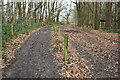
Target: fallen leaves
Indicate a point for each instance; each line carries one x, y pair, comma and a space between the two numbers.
72, 67
12, 47
96, 48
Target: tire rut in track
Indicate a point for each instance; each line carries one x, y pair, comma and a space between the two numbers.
34, 59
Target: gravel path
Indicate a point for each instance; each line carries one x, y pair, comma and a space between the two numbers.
34, 59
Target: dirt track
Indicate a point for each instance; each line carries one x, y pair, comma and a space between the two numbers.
99, 52
34, 59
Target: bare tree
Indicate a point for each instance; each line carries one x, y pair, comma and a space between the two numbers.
97, 21
108, 15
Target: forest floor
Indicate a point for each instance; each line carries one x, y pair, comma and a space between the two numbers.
97, 51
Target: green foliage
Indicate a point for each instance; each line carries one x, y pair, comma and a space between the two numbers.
15, 43
57, 29
17, 29
69, 61
4, 56
58, 33
58, 48
88, 28
58, 23
58, 41
10, 31
112, 30
55, 35
6, 33
79, 59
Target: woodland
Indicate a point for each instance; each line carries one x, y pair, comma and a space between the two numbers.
59, 39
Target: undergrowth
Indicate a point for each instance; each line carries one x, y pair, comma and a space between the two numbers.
111, 30
18, 30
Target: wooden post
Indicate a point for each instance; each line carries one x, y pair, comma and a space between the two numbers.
65, 46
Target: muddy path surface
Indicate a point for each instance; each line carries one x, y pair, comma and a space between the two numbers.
99, 52
34, 59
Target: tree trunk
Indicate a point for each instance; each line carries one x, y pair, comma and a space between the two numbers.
108, 15
78, 14
19, 12
24, 13
3, 19
119, 15
97, 21
58, 14
7, 12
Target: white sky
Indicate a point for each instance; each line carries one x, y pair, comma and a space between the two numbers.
66, 0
